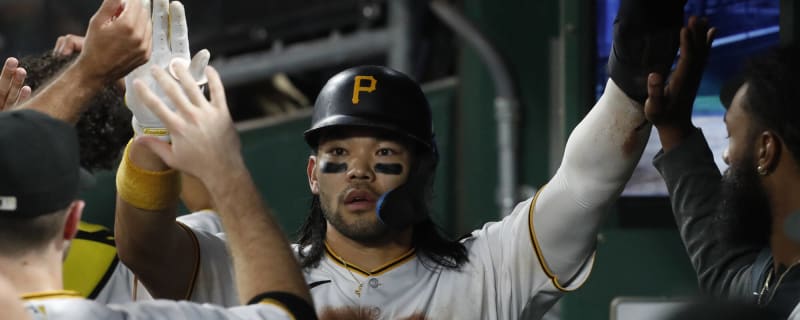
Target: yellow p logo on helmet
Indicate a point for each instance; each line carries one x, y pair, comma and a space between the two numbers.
357, 87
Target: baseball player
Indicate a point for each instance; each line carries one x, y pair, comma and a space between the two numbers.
92, 268
369, 248
117, 41
40, 215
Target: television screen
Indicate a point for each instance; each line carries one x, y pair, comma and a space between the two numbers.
744, 28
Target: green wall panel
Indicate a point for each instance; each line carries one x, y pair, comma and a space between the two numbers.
521, 31
632, 262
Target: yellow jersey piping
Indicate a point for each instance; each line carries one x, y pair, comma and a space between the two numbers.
196, 268
375, 272
535, 242
52, 294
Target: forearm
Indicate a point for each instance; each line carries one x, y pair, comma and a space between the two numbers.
67, 96
149, 241
241, 209
599, 158
693, 181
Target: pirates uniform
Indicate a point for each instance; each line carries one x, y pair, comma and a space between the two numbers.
93, 270
518, 267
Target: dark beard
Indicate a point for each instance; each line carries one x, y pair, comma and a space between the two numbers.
744, 211
360, 231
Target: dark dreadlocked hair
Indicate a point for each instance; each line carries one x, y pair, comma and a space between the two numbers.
433, 248
103, 129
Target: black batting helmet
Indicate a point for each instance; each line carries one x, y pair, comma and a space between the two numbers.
374, 97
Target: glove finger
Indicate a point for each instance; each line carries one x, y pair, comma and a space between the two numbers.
160, 27
178, 32
197, 68
156, 105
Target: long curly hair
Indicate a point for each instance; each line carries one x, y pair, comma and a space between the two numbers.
103, 129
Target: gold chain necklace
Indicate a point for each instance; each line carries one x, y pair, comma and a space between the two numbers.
360, 284
765, 288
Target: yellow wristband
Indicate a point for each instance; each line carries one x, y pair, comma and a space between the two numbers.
144, 189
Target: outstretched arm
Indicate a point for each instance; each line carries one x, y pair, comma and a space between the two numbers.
693, 181
206, 145
605, 147
162, 253
149, 241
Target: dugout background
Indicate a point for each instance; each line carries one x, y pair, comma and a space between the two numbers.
549, 47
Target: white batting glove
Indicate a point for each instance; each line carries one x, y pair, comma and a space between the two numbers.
170, 43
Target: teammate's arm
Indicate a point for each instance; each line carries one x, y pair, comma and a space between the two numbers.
117, 41
150, 242
694, 182
206, 145
605, 147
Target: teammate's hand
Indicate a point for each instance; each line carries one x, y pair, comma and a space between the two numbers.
646, 35
670, 108
68, 44
12, 90
205, 143
170, 42
117, 40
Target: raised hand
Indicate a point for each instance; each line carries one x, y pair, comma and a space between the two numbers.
170, 42
12, 88
117, 40
670, 108
204, 142
646, 37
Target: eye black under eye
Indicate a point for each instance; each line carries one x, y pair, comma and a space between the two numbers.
333, 167
389, 168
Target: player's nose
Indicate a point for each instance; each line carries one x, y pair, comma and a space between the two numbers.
359, 170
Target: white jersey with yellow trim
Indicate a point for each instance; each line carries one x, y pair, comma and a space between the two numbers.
204, 220
69, 305
518, 267
93, 269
